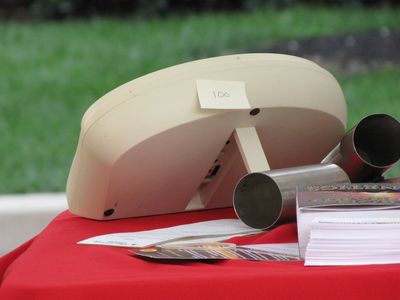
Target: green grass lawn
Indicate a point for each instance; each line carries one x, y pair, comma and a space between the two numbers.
51, 72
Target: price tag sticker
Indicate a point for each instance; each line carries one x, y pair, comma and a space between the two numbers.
221, 94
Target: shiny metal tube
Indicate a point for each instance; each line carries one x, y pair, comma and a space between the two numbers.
262, 200
368, 149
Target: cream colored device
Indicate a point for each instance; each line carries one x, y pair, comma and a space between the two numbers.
148, 147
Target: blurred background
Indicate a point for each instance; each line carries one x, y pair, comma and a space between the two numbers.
59, 56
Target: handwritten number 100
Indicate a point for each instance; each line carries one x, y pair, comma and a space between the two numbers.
219, 94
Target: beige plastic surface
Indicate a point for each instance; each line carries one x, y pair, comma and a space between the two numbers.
251, 150
147, 147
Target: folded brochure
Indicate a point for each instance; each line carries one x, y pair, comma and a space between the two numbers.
207, 251
208, 231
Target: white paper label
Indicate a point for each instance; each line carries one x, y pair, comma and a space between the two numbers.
220, 94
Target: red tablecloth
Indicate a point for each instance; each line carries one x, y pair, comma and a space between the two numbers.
53, 266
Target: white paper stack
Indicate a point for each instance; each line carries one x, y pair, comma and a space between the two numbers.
353, 241
346, 201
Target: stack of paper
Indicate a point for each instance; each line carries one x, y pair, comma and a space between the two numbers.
353, 241
201, 232
348, 201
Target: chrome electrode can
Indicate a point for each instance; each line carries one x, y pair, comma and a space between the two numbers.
369, 149
264, 199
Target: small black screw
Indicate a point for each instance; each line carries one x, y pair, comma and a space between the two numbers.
255, 111
108, 212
